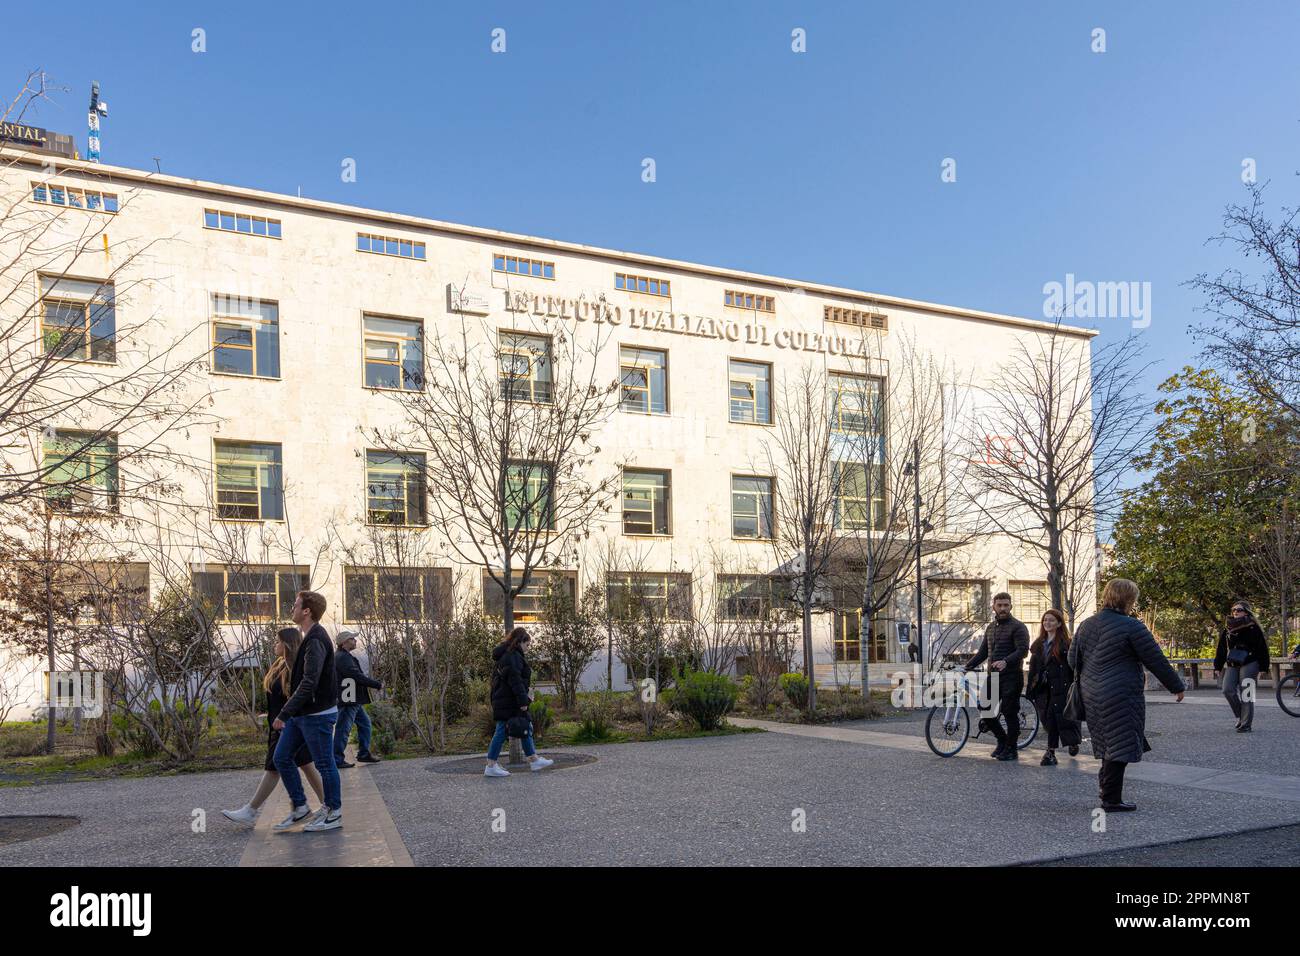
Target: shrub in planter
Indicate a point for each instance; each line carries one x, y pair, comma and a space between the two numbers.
795, 688
540, 713
704, 698
385, 722
596, 718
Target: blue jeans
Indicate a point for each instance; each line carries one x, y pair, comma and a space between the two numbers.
348, 714
317, 732
499, 741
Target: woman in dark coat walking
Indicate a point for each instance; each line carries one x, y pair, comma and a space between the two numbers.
1241, 655
511, 677
1108, 654
1049, 679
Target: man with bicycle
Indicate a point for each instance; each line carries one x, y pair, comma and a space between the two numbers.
1005, 644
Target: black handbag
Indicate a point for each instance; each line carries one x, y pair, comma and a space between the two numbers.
519, 726
1237, 656
1073, 709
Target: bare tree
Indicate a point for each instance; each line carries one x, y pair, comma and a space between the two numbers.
1052, 444
504, 423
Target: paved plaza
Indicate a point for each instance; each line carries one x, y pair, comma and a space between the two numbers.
867, 793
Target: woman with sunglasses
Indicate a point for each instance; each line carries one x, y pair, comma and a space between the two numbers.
1242, 654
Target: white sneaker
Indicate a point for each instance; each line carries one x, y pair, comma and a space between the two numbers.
326, 819
539, 763
295, 817
245, 815
495, 770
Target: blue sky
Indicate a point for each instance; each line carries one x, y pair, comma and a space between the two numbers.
823, 166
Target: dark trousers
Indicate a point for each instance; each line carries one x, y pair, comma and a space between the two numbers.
1047, 713
1008, 707
348, 715
1110, 781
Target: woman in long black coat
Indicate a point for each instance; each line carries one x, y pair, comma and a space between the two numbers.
1109, 652
1241, 655
1049, 679
511, 677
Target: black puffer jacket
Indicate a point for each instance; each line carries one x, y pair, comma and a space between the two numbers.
511, 676
1004, 641
1251, 637
1047, 685
1113, 648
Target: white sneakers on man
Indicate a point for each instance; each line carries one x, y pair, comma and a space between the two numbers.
295, 817
325, 819
539, 763
495, 769
245, 815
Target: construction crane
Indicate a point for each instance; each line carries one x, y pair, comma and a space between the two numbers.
98, 108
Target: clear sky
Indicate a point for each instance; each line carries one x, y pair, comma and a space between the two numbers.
823, 165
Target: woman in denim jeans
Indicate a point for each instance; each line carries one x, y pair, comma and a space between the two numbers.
510, 679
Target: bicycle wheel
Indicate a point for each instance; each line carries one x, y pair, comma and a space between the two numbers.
1288, 694
1028, 723
947, 729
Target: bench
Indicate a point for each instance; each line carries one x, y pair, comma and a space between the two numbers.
1193, 664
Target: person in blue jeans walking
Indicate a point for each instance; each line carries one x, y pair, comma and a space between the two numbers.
308, 717
510, 679
353, 694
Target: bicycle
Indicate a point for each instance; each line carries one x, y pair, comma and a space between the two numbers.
1288, 694
947, 726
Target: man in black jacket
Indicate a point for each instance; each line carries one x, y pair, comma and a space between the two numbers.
308, 717
1005, 644
354, 693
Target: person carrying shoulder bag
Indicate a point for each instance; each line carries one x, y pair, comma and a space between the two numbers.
1242, 653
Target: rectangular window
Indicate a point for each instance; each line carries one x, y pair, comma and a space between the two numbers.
395, 488
848, 639
648, 285
74, 197
855, 403
245, 336
746, 597
111, 592
80, 471
250, 593
748, 300
396, 594
644, 380
859, 496
750, 392
663, 596
394, 353
522, 266
250, 482
1030, 600
528, 602
526, 495
863, 320
524, 367
958, 601
646, 501
78, 319
390, 246
751, 507
249, 225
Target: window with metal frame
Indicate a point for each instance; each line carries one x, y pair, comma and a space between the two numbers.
250, 593
749, 300
78, 319
750, 392
397, 595
245, 336
649, 285
855, 403
111, 592
1030, 600
394, 353
958, 601
646, 504
75, 197
250, 481
665, 596
523, 266
390, 246
524, 367
751, 507
643, 380
80, 471
747, 597
527, 495
227, 221
529, 601
859, 496
395, 488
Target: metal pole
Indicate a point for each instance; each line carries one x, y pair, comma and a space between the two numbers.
916, 501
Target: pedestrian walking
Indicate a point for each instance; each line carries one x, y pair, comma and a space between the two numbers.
354, 688
1107, 656
510, 700
1049, 679
1004, 646
276, 685
1242, 653
308, 717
